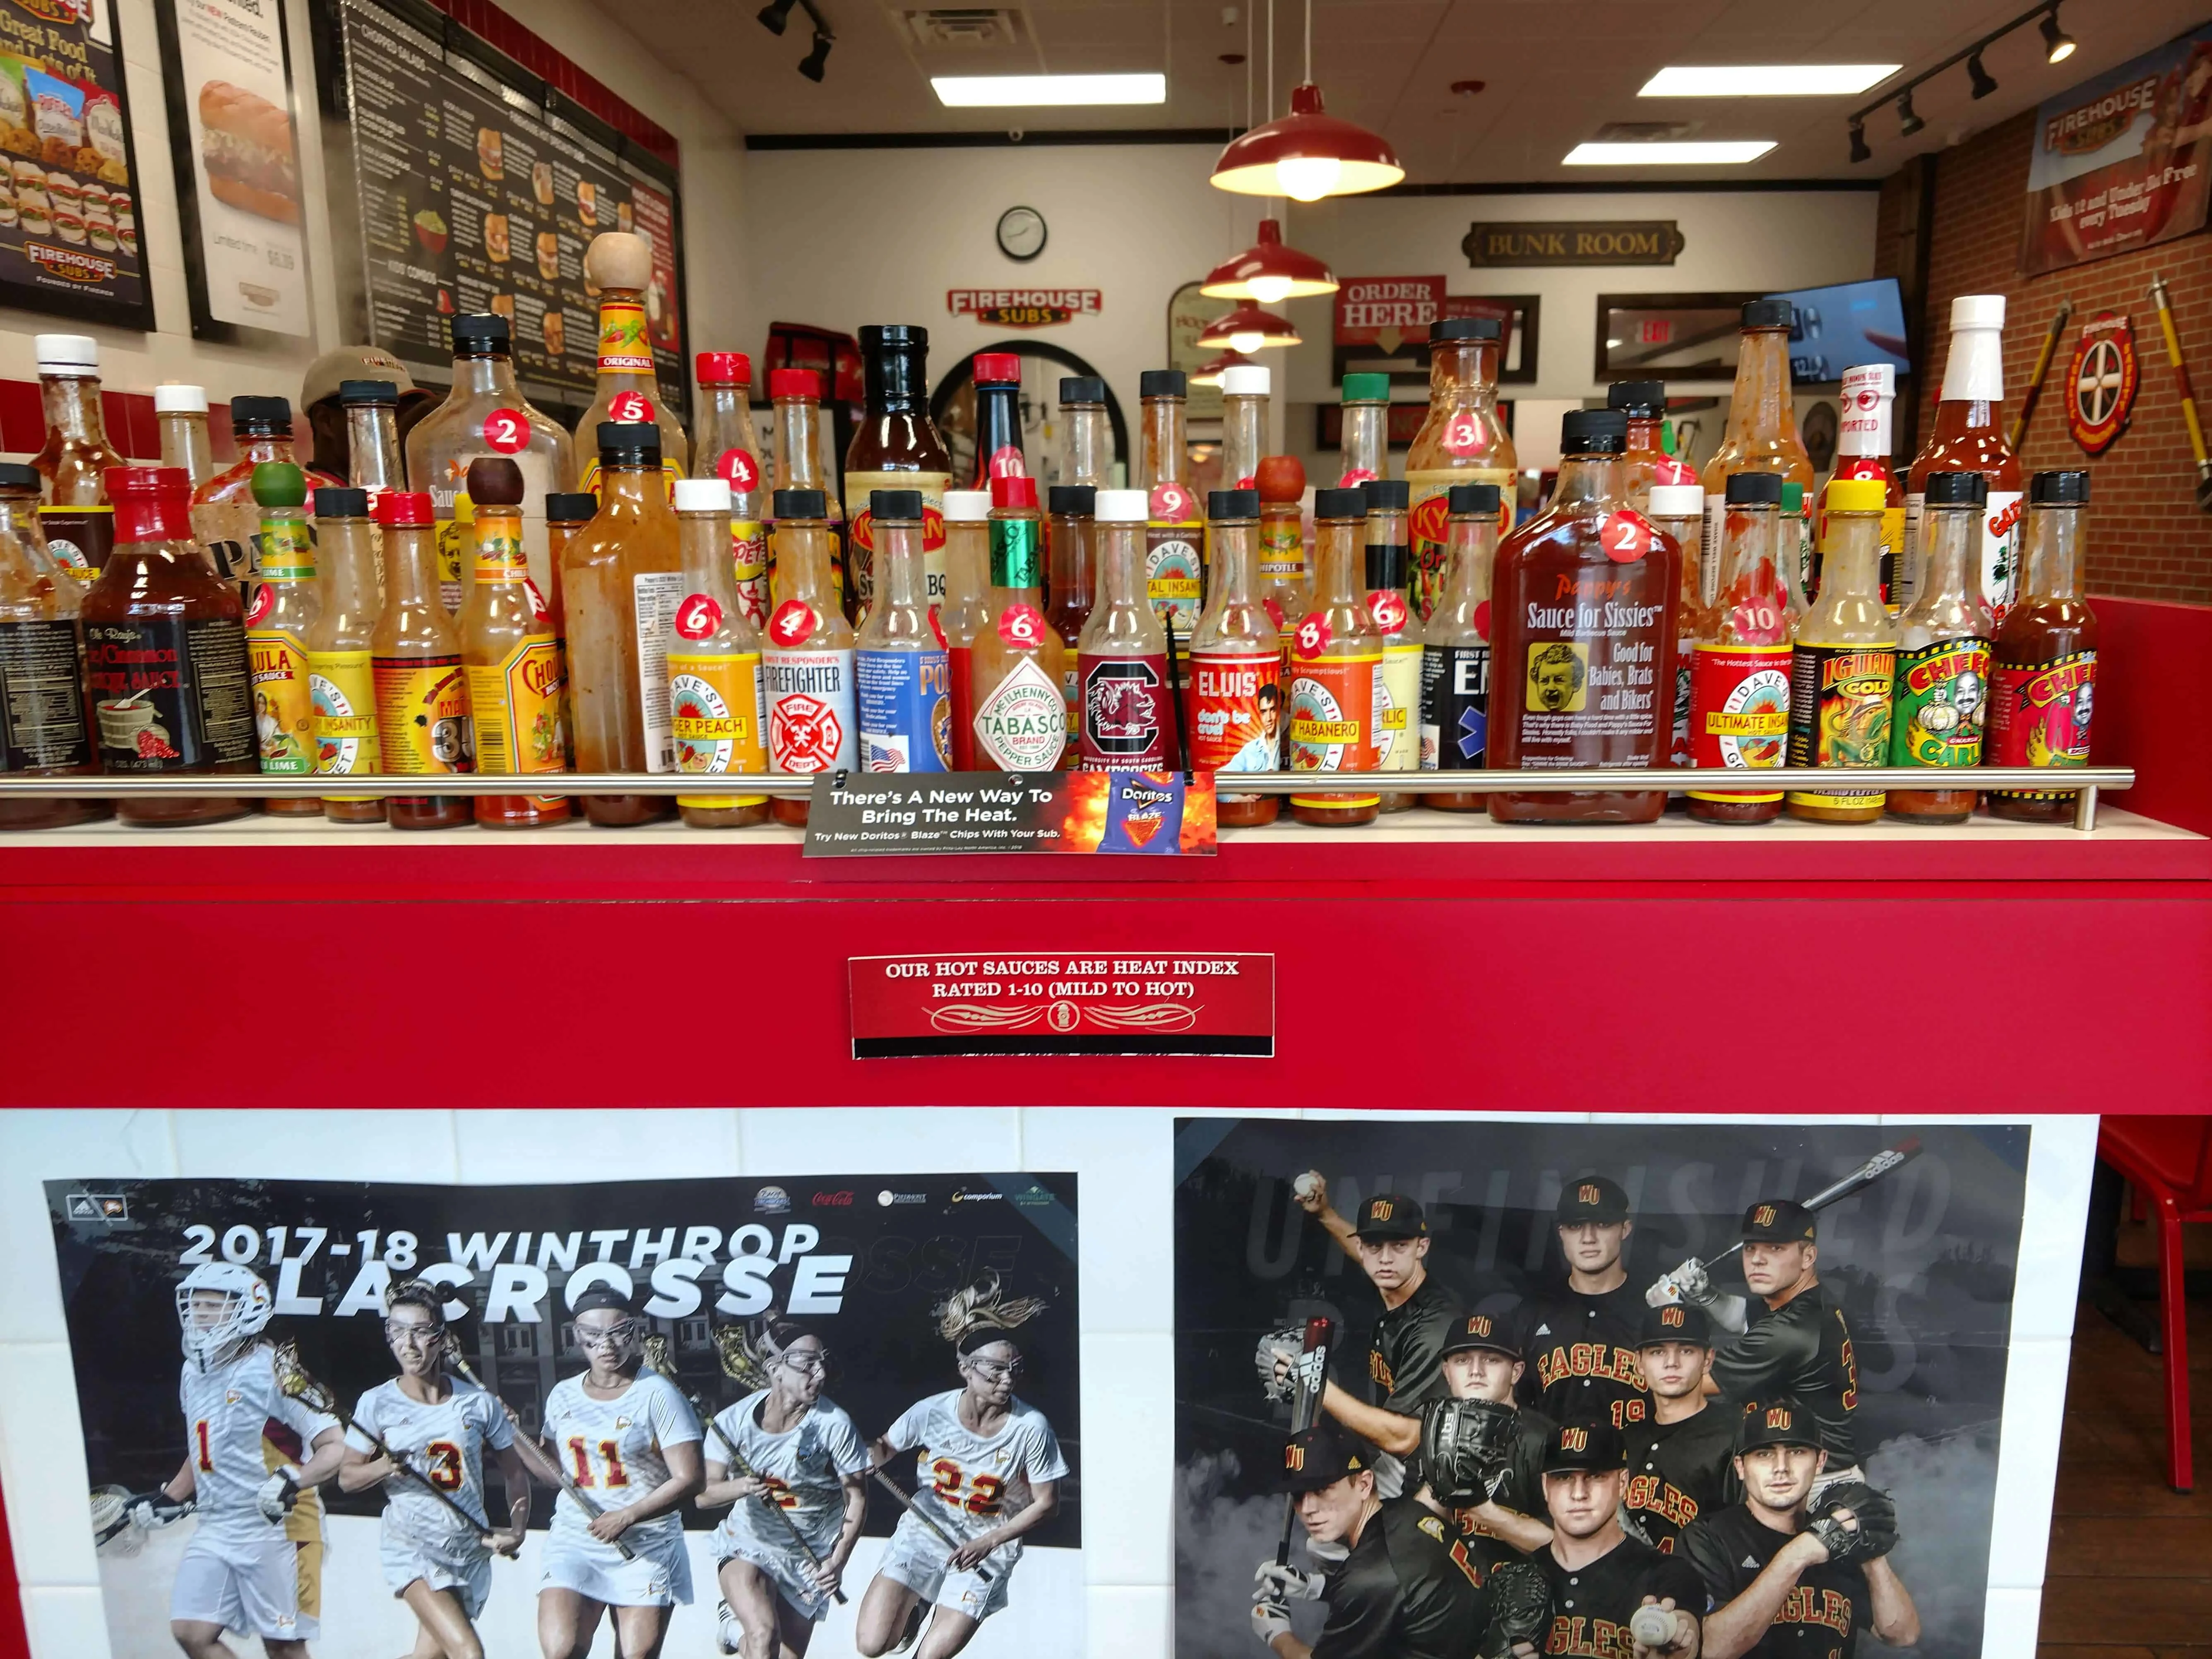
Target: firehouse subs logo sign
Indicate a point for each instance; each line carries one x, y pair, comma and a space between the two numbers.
2101, 382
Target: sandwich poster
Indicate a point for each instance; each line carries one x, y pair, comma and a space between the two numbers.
238, 164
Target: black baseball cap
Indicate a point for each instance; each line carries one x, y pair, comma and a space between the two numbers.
1777, 1221
1317, 1457
1591, 1197
1674, 1321
1391, 1215
1596, 1447
1482, 1330
1782, 1421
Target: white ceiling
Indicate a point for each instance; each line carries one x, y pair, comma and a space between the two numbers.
1555, 71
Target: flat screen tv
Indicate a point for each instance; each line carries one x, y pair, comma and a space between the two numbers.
1843, 325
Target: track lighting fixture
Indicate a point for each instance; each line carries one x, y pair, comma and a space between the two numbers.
1908, 122
2058, 44
2057, 47
1859, 150
776, 15
810, 66
1984, 83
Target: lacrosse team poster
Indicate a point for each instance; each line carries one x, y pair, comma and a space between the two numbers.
280, 1440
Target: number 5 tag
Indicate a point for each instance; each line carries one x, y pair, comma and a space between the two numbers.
1626, 535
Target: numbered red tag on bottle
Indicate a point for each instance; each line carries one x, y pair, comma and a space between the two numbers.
507, 431
737, 469
1172, 503
1482, 617
1387, 606
538, 608
1022, 626
630, 406
1314, 634
1355, 476
1461, 435
698, 616
793, 621
265, 601
1626, 535
1006, 463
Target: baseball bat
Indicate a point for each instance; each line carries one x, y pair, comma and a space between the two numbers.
552, 1465
2042, 368
2165, 304
1313, 1361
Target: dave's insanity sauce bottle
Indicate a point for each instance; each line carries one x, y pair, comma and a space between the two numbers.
1582, 637
620, 262
1086, 455
901, 673
1127, 708
1069, 535
1843, 668
1762, 422
1336, 666
1943, 653
998, 419
1020, 705
1389, 575
897, 447
806, 659
1455, 647
285, 607
960, 613
1462, 441
716, 704
339, 674
727, 449
798, 398
1174, 530
78, 520
2043, 670
1234, 706
45, 728
422, 724
165, 652
517, 696
1740, 651
1969, 437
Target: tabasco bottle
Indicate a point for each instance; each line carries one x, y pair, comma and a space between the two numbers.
1234, 711
1021, 705
339, 650
797, 395
1650, 456
1286, 587
1862, 446
285, 607
2043, 675
1461, 441
966, 575
1969, 437
1336, 666
1761, 435
165, 652
45, 730
620, 263
1364, 445
1086, 454
1585, 608
897, 447
225, 516
729, 450
1128, 715
180, 417
901, 674
1943, 653
621, 579
1678, 511
1740, 651
1455, 647
999, 452
1389, 575
1842, 666
716, 706
806, 658
423, 725
518, 696
1174, 530
78, 520
1068, 537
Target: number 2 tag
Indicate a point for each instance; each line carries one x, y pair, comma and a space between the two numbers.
1626, 535
507, 431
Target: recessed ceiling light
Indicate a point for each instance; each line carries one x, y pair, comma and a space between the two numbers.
1691, 153
1010, 91
1765, 80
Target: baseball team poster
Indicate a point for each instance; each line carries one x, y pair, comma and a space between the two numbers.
749, 1416
1447, 1389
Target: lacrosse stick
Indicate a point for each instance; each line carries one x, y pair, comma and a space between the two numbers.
112, 1531
459, 1361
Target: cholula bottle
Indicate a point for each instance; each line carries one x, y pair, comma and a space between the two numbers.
901, 676
806, 657
1740, 652
517, 695
1020, 721
1234, 712
285, 607
2043, 673
45, 731
1128, 715
1461, 441
1336, 666
1455, 648
620, 264
1843, 669
716, 707
1943, 653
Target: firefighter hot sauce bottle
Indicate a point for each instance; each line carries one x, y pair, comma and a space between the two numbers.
1128, 715
2043, 672
1739, 650
901, 671
1455, 647
1584, 615
1336, 666
284, 609
518, 695
422, 723
1944, 637
806, 658
715, 706
1842, 668
1234, 703
1020, 718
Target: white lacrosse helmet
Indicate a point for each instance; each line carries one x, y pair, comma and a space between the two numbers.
247, 1306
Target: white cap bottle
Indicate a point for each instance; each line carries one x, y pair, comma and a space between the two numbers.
1122, 507
67, 353
967, 506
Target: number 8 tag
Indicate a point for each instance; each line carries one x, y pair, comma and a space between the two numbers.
1626, 535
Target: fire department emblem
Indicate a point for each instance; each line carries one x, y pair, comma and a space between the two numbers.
2101, 382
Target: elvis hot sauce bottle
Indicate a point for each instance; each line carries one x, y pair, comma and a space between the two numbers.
1942, 697
1128, 715
1584, 615
2043, 674
277, 624
806, 658
1020, 712
1739, 650
1842, 668
422, 723
714, 700
45, 728
517, 698
901, 676
1336, 676
1235, 700
165, 652
1455, 647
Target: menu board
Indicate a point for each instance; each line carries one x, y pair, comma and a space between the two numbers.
472, 198
69, 217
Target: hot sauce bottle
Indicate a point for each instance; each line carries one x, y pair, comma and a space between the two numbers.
44, 726
806, 657
1234, 710
797, 394
1389, 606
1943, 653
897, 447
1086, 455
1678, 511
1455, 647
1740, 651
518, 695
1174, 531
1020, 705
285, 607
717, 708
1285, 587
339, 674
1969, 437
1336, 666
1463, 440
961, 613
165, 652
567, 513
2043, 673
78, 520
372, 418
1364, 446
1762, 422
1649, 460
729, 450
1842, 667
1069, 534
1583, 635
1244, 389
997, 418
1128, 715
180, 417
224, 515
422, 724
901, 676
621, 579
620, 264
1863, 444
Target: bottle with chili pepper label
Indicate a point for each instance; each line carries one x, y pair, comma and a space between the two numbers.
807, 656
896, 447
45, 730
1679, 510
619, 264
422, 718
285, 607
960, 612
2043, 675
716, 708
1020, 715
1463, 440
729, 450
518, 697
1941, 703
1455, 648
1740, 651
1969, 436
1070, 530
1234, 710
1128, 713
1843, 663
339, 671
1364, 445
1335, 689
1173, 530
998, 376
1389, 575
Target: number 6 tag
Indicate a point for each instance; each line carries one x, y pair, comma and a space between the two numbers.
1626, 535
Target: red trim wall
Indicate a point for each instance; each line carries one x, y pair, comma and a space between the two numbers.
481, 17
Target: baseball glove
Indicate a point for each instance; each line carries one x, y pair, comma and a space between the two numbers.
1464, 1446
1520, 1608
1875, 1514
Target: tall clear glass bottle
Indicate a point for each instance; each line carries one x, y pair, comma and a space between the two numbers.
1285, 584
897, 446
1020, 704
1842, 667
1463, 440
1863, 450
901, 676
620, 264
1942, 701
340, 643
78, 520
423, 726
1364, 445
729, 450
1244, 391
1174, 532
999, 451
961, 612
46, 728
1070, 531
1087, 455
180, 417
1678, 511
1969, 436
716, 705
1740, 648
517, 698
1234, 708
285, 608
806, 658
797, 395
2043, 672
1128, 697
1389, 576
1336, 666
1647, 460
1761, 435
1455, 648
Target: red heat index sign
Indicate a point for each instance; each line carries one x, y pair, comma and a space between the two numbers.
1104, 1002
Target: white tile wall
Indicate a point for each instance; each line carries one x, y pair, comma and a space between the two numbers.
2009, 1627
38, 1389
506, 1147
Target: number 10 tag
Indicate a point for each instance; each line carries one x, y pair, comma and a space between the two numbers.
1626, 535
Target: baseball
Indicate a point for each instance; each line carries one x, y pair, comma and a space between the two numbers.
1652, 1627
1306, 1185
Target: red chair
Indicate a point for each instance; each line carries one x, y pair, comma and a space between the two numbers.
2169, 1160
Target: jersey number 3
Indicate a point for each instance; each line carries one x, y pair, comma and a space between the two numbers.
609, 1455
442, 1465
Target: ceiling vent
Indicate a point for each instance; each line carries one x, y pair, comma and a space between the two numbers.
1646, 132
964, 29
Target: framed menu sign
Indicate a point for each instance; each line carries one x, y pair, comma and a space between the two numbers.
474, 187
69, 191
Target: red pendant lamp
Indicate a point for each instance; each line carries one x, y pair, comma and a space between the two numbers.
1248, 329
1269, 272
1308, 153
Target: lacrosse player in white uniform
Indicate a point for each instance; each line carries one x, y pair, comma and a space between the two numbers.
989, 1469
438, 1428
242, 1570
624, 1433
806, 1459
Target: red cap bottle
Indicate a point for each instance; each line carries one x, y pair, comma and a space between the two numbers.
724, 368
152, 503
794, 383
404, 508
998, 369
1014, 492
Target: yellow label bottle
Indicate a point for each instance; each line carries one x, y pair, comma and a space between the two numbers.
714, 712
343, 691
283, 701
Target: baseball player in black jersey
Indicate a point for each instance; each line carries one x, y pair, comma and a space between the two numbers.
1600, 1578
1390, 1242
1581, 1332
1783, 1587
1681, 1460
1405, 1589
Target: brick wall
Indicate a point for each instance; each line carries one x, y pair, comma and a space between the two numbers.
2148, 539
